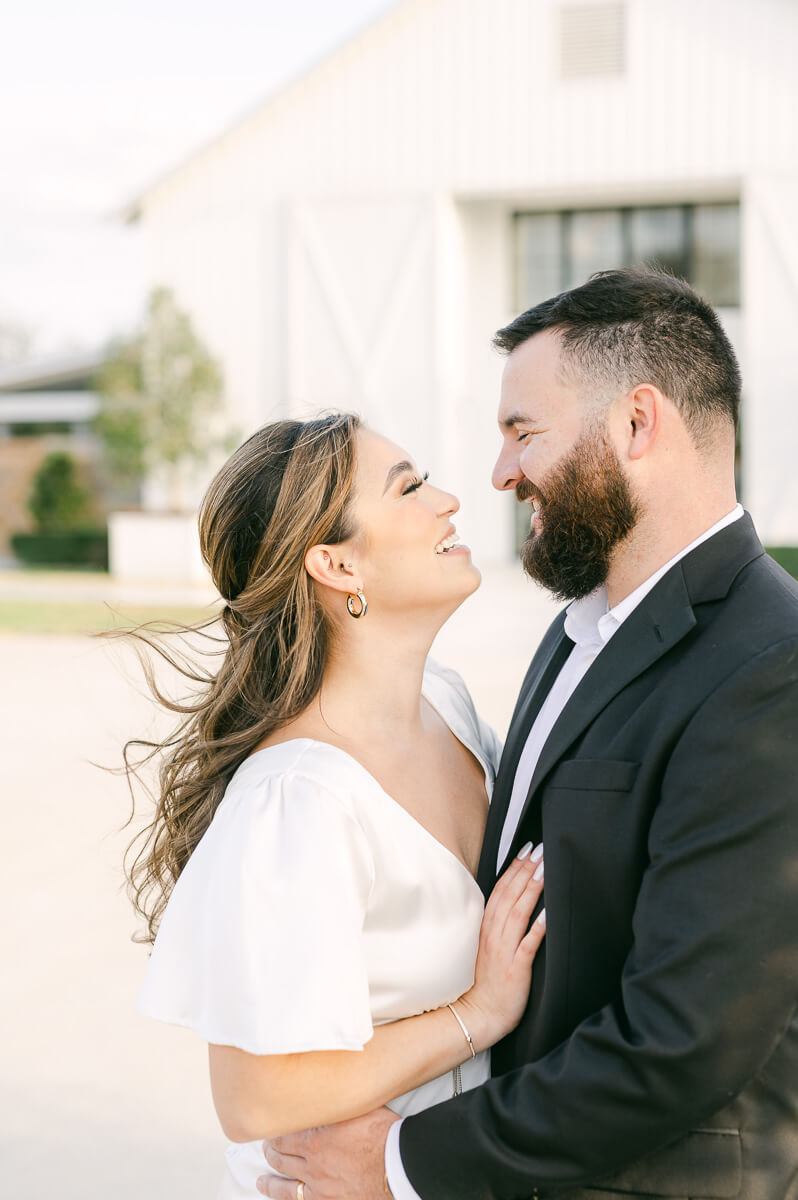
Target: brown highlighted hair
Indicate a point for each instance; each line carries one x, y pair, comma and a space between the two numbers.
287, 488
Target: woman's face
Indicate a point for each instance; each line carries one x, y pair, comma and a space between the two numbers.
406, 548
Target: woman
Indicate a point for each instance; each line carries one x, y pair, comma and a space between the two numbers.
323, 805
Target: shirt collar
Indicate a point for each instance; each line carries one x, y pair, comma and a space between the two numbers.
584, 618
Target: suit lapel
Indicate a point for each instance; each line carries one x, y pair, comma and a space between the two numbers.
650, 631
659, 622
544, 669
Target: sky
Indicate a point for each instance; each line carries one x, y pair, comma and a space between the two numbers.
99, 98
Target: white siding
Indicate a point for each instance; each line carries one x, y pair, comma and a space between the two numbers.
348, 243
770, 414
465, 96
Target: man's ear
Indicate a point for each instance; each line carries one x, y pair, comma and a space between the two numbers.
332, 567
643, 418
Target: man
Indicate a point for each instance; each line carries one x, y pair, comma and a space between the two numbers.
654, 750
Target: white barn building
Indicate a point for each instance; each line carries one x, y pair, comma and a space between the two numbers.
356, 240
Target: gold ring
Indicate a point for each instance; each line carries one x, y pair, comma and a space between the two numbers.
300, 1191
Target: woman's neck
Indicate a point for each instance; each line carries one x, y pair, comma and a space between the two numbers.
372, 685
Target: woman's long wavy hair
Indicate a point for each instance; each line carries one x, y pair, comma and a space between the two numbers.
287, 488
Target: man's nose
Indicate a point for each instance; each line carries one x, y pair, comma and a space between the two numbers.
507, 472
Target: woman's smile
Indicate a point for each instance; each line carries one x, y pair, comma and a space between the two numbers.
451, 544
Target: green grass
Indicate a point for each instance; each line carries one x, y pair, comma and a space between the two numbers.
47, 616
786, 556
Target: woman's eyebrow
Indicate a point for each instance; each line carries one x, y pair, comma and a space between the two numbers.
397, 469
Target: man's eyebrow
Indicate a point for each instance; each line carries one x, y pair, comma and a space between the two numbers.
516, 418
397, 469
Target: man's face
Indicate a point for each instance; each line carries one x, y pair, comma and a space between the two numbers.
558, 456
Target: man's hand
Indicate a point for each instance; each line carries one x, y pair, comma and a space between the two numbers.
335, 1162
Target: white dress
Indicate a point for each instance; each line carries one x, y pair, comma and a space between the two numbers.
316, 907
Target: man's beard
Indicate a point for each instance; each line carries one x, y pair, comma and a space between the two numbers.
587, 509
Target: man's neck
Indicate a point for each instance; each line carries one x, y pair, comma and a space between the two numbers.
653, 543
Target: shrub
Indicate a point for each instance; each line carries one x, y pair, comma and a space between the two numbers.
70, 547
58, 504
57, 501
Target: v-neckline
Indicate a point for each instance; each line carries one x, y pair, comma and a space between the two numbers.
376, 783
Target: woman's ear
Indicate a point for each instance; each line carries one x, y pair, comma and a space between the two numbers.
331, 567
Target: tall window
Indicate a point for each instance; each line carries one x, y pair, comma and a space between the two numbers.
700, 242
559, 250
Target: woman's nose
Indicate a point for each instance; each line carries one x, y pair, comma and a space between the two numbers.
448, 505
452, 503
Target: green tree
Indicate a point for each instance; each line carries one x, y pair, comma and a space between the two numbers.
160, 392
57, 502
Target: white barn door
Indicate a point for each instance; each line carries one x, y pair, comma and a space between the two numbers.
372, 319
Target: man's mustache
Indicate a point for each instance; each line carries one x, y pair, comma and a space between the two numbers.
525, 490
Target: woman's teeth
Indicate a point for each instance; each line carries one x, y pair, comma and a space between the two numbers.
447, 544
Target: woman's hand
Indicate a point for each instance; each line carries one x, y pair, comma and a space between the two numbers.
507, 947
261, 1095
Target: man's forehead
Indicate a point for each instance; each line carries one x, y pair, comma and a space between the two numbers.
532, 385
522, 396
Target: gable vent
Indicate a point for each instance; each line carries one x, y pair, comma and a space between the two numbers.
591, 40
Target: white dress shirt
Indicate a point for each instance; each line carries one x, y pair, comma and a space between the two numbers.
590, 624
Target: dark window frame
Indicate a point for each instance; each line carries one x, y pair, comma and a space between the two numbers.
565, 217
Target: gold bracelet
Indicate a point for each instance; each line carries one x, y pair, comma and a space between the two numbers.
466, 1034
386, 1187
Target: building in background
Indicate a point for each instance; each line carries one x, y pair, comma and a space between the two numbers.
355, 241
46, 405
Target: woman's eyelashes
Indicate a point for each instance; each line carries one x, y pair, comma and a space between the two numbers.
415, 484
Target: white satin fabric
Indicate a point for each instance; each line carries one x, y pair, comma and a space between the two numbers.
316, 907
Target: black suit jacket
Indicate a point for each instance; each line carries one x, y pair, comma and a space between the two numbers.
659, 1052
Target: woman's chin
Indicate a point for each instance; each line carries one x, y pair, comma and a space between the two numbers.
476, 575
471, 579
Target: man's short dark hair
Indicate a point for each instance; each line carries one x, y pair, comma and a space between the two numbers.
638, 325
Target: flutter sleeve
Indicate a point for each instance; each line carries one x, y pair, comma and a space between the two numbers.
448, 691
261, 945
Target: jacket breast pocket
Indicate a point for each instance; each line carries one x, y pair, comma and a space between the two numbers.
594, 775
594, 827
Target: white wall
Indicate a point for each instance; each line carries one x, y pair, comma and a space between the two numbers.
464, 96
770, 414
488, 295
348, 244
